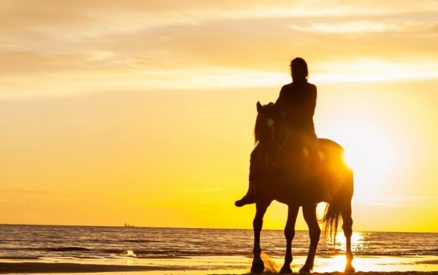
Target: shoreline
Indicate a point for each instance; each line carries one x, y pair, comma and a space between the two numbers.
221, 266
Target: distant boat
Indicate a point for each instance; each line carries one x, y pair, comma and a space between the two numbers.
129, 225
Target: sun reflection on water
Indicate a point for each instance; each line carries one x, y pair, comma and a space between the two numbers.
357, 242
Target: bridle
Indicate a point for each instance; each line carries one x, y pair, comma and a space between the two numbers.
271, 126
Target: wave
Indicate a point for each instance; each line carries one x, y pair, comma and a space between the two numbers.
65, 249
19, 258
156, 253
140, 241
150, 243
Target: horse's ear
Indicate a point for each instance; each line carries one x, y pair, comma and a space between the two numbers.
259, 107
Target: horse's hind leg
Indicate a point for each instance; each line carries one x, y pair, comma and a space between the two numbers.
289, 233
347, 227
309, 213
257, 262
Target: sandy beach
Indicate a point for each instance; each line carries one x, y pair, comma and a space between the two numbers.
32, 267
220, 266
67, 268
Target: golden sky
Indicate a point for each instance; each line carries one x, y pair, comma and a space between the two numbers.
142, 112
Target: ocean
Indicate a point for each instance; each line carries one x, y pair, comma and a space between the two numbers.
220, 250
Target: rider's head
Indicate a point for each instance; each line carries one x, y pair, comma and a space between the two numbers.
298, 69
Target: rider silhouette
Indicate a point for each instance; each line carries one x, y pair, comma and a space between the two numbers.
297, 102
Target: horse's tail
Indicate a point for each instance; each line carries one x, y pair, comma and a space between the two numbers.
341, 204
332, 217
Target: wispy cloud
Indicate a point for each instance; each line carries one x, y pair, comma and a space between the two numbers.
375, 70
410, 26
91, 44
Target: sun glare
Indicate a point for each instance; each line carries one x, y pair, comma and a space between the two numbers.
368, 151
357, 240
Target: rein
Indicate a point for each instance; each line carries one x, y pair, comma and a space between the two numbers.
271, 125
269, 121
273, 147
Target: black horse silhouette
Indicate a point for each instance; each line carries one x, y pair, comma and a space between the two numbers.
282, 173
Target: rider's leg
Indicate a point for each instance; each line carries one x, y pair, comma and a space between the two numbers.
317, 169
249, 197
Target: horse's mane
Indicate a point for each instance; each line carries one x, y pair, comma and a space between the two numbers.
268, 110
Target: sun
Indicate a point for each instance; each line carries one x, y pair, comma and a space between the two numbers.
368, 151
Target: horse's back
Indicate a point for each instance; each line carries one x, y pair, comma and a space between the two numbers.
340, 175
331, 151
328, 145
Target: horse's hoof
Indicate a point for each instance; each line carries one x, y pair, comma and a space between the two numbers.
349, 269
257, 267
285, 270
305, 270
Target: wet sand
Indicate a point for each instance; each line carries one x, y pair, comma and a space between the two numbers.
66, 268
33, 267
223, 265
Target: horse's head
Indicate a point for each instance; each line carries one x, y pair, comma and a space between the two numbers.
270, 124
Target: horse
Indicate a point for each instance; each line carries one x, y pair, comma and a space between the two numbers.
282, 173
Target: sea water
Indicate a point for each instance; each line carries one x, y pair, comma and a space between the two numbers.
201, 249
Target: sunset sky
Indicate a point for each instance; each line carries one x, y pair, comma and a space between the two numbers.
142, 112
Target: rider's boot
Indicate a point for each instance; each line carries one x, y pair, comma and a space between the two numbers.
249, 197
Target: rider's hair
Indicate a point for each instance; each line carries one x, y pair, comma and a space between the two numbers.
303, 63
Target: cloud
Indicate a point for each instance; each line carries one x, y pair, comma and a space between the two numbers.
375, 70
410, 27
94, 44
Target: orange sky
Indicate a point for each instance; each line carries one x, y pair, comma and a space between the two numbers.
142, 112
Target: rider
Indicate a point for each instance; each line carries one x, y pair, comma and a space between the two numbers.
297, 102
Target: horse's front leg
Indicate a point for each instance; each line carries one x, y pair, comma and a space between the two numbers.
257, 262
309, 213
289, 233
